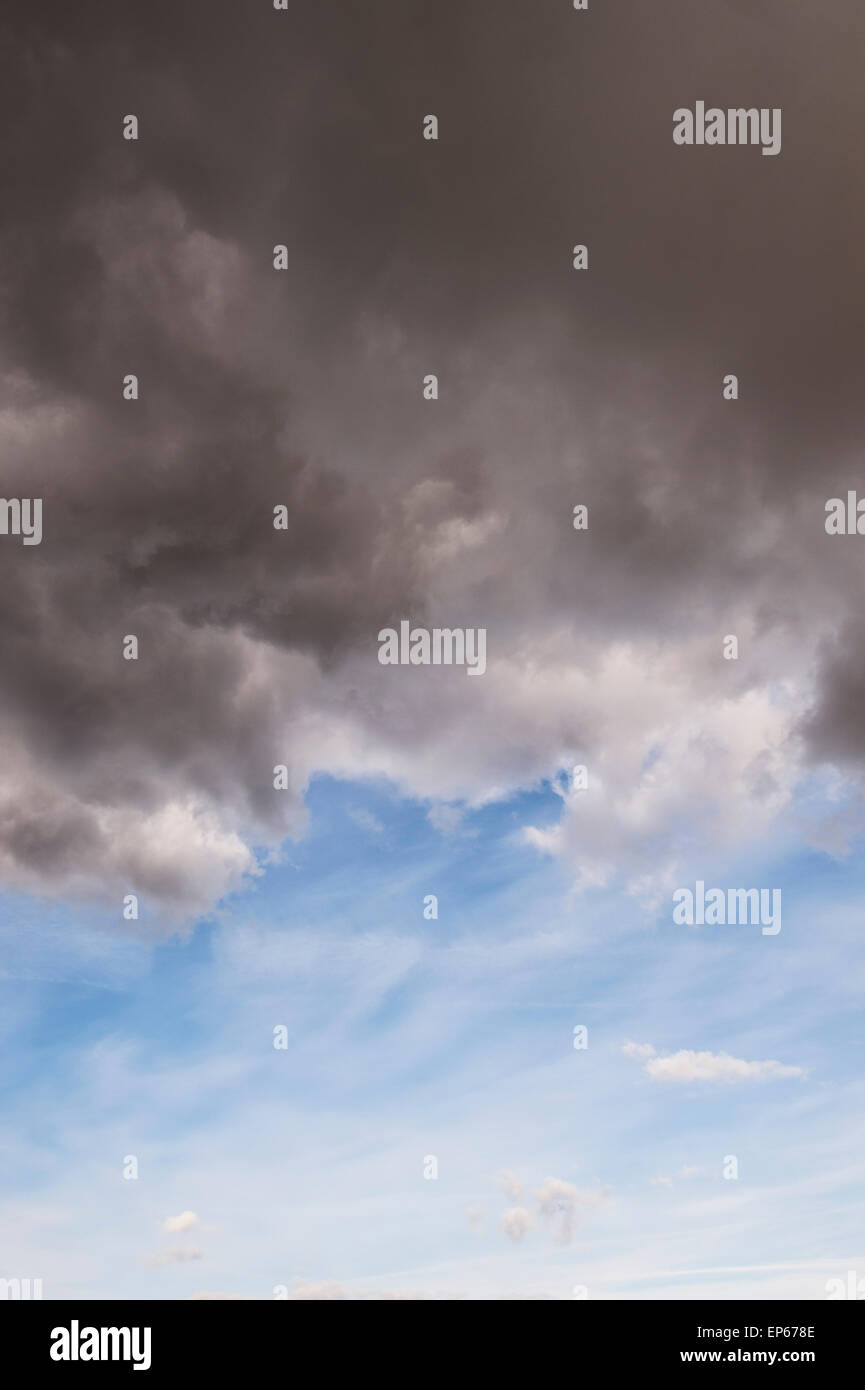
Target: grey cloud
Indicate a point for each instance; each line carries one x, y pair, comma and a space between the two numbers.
303, 388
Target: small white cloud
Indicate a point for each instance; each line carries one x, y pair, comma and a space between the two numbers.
184, 1222
509, 1183
688, 1066
515, 1223
663, 1182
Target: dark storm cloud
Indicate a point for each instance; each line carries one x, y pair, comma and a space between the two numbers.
303, 388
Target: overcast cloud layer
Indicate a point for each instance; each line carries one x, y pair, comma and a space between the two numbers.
303, 388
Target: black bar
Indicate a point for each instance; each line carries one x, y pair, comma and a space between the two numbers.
239, 1337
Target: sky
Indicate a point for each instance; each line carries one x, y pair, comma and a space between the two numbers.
419, 1022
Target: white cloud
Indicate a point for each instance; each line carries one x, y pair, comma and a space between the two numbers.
509, 1183
685, 1066
515, 1222
184, 1222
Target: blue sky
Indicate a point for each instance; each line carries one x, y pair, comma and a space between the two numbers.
451, 1038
